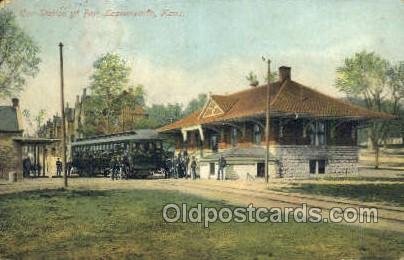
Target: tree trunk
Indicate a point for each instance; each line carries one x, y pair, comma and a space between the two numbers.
377, 153
374, 136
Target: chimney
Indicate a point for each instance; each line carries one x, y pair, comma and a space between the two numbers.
77, 99
16, 102
284, 73
83, 97
16, 106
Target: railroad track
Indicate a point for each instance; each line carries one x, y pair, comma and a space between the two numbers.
395, 216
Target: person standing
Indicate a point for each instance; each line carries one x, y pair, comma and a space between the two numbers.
38, 168
59, 167
114, 168
185, 162
193, 168
179, 166
222, 165
26, 166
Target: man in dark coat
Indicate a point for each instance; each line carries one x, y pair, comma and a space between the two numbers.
222, 165
193, 168
59, 167
26, 163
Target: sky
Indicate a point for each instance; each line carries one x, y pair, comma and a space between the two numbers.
178, 49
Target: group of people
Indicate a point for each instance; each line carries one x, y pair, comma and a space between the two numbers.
34, 169
120, 167
183, 166
30, 168
179, 166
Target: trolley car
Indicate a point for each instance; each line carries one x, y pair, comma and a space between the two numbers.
139, 152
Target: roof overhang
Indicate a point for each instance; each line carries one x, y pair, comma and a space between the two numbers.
11, 132
274, 114
34, 140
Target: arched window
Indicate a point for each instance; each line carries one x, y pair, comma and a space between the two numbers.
316, 133
257, 134
311, 132
233, 136
214, 143
321, 133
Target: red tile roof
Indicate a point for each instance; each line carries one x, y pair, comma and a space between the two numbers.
287, 98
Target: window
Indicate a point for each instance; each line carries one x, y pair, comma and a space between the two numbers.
321, 133
312, 133
353, 133
212, 168
214, 143
316, 133
233, 136
260, 170
257, 134
280, 128
312, 165
317, 166
158, 145
321, 166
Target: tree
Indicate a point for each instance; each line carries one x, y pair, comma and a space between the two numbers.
252, 79
160, 115
27, 121
195, 104
370, 77
39, 118
92, 124
274, 77
140, 95
18, 55
110, 77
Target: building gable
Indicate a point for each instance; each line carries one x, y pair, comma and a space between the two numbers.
211, 109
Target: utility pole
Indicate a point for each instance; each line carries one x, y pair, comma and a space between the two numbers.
267, 120
62, 99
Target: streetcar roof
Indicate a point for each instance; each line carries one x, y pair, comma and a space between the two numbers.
138, 135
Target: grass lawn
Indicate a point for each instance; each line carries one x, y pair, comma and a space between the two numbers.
389, 193
117, 224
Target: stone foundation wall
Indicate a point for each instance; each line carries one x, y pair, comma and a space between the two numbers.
235, 171
294, 160
9, 154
